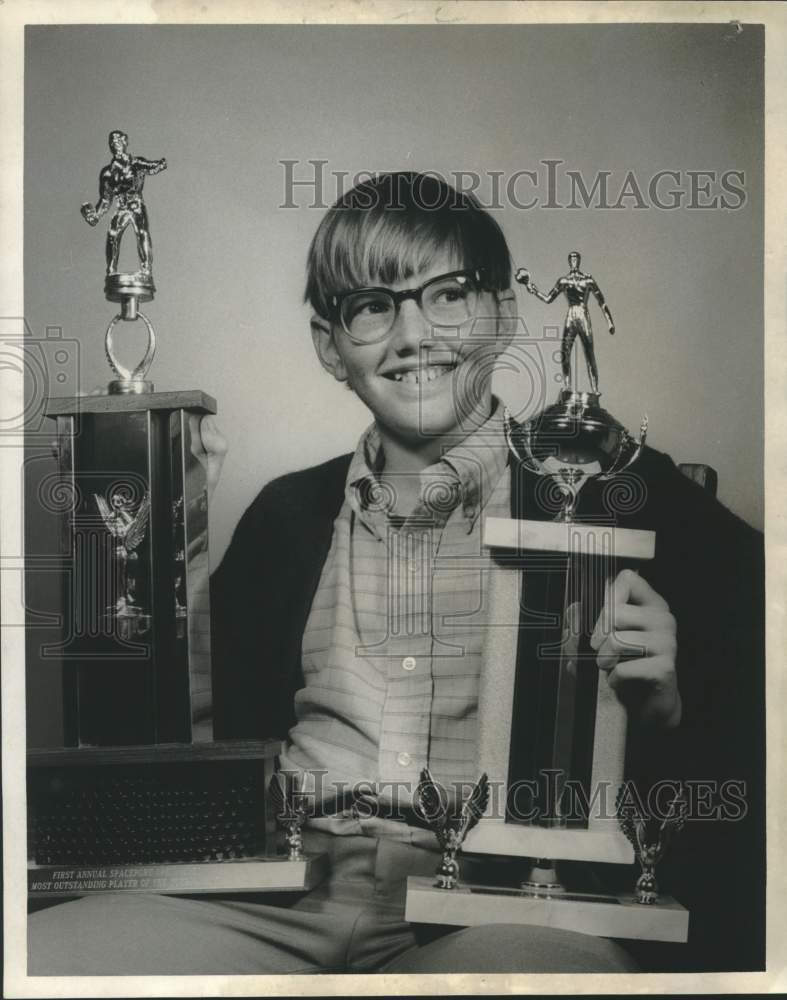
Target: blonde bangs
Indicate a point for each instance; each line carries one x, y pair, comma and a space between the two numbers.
385, 241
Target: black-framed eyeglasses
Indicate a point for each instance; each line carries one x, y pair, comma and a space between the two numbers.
367, 315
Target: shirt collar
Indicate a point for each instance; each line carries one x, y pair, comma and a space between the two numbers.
466, 474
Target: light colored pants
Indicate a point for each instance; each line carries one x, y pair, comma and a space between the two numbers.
352, 922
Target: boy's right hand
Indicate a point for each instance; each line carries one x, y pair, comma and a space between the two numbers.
209, 447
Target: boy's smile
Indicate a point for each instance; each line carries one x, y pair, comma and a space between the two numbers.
421, 374
421, 382
424, 373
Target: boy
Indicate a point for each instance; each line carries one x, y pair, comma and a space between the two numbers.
349, 610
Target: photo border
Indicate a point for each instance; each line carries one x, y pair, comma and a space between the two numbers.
14, 15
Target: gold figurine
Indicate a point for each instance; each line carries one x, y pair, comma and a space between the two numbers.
122, 181
577, 287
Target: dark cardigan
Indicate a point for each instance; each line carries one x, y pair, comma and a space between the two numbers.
709, 568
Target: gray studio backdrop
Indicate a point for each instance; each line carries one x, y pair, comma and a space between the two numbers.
665, 120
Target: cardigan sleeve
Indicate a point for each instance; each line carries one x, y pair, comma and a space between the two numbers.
261, 595
244, 687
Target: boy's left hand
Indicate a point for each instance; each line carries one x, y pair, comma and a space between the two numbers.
636, 641
209, 447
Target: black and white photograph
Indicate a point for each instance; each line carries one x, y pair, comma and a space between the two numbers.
387, 498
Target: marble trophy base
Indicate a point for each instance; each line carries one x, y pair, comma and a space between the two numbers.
613, 915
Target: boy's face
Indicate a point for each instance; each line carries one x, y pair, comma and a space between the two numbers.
421, 381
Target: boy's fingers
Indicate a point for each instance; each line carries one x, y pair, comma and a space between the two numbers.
605, 622
209, 447
636, 616
212, 439
623, 595
197, 449
654, 671
635, 645
620, 645
207, 440
629, 587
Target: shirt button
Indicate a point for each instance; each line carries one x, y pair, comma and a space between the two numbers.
404, 759
409, 663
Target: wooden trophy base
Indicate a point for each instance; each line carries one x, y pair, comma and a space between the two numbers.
174, 818
241, 875
615, 915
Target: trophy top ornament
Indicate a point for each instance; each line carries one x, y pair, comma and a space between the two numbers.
577, 287
575, 438
121, 182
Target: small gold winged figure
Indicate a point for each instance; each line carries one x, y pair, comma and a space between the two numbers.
634, 825
291, 806
128, 530
450, 824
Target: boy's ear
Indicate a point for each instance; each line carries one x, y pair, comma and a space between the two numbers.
508, 315
325, 346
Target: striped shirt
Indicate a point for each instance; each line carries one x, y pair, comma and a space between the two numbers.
392, 646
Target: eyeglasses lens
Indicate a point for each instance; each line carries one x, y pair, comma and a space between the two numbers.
446, 301
450, 301
368, 315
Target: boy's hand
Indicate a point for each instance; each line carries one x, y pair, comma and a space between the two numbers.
209, 446
636, 641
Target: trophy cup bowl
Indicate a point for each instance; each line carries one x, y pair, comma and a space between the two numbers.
573, 440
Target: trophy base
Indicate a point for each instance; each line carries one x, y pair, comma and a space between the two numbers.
178, 818
242, 875
615, 915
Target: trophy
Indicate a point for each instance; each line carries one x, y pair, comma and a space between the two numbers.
291, 803
141, 797
137, 656
451, 826
551, 732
